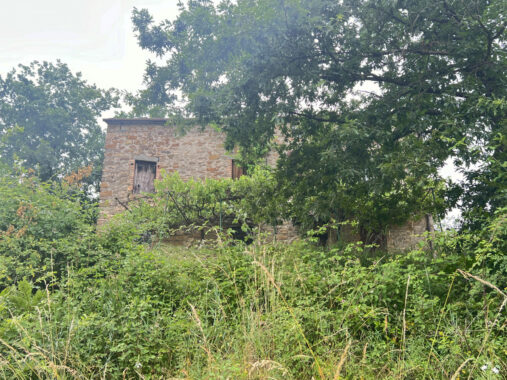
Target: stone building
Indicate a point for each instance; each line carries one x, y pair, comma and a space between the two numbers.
136, 150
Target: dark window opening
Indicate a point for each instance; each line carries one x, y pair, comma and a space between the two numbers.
144, 177
237, 171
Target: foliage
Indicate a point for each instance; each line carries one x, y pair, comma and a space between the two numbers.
79, 304
321, 188
435, 74
242, 203
257, 200
260, 311
48, 120
484, 191
44, 229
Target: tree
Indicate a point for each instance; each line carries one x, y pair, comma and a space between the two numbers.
48, 120
439, 69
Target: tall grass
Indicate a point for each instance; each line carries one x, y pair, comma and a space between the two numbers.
258, 312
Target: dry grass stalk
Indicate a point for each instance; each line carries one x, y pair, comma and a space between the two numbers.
266, 365
484, 282
442, 312
404, 332
342, 361
490, 329
439, 362
67, 344
199, 325
54, 368
363, 359
456, 374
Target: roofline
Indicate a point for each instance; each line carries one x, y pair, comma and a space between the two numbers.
136, 121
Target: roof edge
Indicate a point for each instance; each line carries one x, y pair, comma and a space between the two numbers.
136, 121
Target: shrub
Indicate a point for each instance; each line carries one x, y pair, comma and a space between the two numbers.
44, 227
260, 311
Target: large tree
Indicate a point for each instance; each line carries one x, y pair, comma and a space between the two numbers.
436, 70
49, 120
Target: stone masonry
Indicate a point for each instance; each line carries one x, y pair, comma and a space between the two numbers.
398, 238
198, 153
410, 234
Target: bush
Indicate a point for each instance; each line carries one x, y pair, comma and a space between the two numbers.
242, 203
259, 311
76, 304
44, 228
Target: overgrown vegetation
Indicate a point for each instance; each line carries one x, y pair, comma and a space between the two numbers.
183, 206
371, 97
120, 302
44, 228
108, 305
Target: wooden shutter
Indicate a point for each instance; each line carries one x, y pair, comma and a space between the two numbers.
144, 177
237, 171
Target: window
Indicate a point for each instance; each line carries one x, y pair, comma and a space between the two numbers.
144, 177
237, 171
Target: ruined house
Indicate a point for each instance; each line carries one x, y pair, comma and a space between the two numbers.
136, 151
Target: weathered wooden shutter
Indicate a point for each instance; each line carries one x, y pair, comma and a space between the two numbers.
237, 171
144, 177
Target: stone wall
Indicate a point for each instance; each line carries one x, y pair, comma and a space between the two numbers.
199, 153
285, 232
196, 154
397, 238
410, 234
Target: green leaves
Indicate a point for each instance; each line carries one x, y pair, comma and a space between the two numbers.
240, 204
165, 311
253, 67
48, 120
44, 229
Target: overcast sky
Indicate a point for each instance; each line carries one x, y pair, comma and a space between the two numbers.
94, 37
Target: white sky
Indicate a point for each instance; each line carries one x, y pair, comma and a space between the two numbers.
94, 37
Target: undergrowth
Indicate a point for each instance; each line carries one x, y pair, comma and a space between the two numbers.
77, 304
258, 312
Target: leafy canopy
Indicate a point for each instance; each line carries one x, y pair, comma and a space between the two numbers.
437, 70
48, 120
